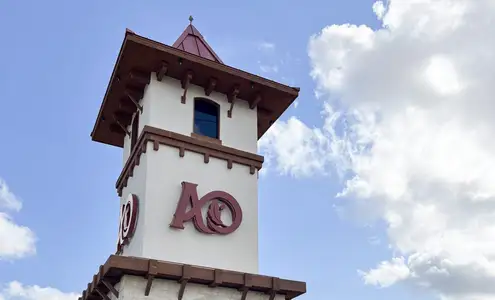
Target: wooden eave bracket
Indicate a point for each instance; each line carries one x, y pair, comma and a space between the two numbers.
210, 87
246, 286
131, 94
111, 288
275, 288
162, 71
232, 98
121, 126
133, 99
102, 295
253, 103
152, 272
125, 105
217, 278
123, 116
185, 85
186, 276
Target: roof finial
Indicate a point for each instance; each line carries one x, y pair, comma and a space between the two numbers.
191, 19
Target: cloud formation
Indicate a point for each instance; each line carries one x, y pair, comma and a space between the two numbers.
413, 135
17, 291
15, 241
266, 46
7, 199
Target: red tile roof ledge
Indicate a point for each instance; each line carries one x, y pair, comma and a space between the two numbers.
116, 266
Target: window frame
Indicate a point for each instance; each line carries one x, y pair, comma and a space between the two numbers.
217, 109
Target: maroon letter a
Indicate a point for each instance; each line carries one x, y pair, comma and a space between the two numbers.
189, 196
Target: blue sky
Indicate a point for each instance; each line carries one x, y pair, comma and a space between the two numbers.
56, 60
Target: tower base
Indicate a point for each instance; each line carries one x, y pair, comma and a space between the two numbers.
127, 278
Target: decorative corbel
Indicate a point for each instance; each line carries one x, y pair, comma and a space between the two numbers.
252, 170
246, 286
111, 288
232, 98
253, 103
217, 278
274, 288
117, 129
156, 145
102, 295
162, 71
121, 126
123, 116
184, 280
210, 87
185, 85
126, 105
152, 272
132, 96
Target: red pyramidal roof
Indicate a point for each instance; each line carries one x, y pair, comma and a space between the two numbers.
193, 42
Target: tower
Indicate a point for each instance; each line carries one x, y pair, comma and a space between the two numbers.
188, 125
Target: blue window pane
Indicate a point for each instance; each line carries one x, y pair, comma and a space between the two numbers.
206, 118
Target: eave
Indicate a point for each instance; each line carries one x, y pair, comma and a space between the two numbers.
140, 56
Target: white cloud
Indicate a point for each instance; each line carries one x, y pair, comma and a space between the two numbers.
293, 147
7, 199
413, 134
388, 273
17, 291
15, 241
266, 46
379, 8
18, 242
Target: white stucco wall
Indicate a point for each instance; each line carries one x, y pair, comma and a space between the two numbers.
136, 185
163, 109
132, 287
165, 172
157, 183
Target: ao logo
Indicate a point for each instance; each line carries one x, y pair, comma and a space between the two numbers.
218, 202
128, 220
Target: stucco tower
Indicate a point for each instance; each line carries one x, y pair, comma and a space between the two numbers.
188, 125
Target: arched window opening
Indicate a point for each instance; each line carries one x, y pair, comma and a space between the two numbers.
206, 120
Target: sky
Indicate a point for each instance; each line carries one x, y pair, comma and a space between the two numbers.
377, 182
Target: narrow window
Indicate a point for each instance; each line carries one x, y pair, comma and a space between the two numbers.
134, 130
206, 121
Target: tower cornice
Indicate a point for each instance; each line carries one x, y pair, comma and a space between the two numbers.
139, 57
184, 143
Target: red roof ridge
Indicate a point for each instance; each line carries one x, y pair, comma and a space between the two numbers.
193, 42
